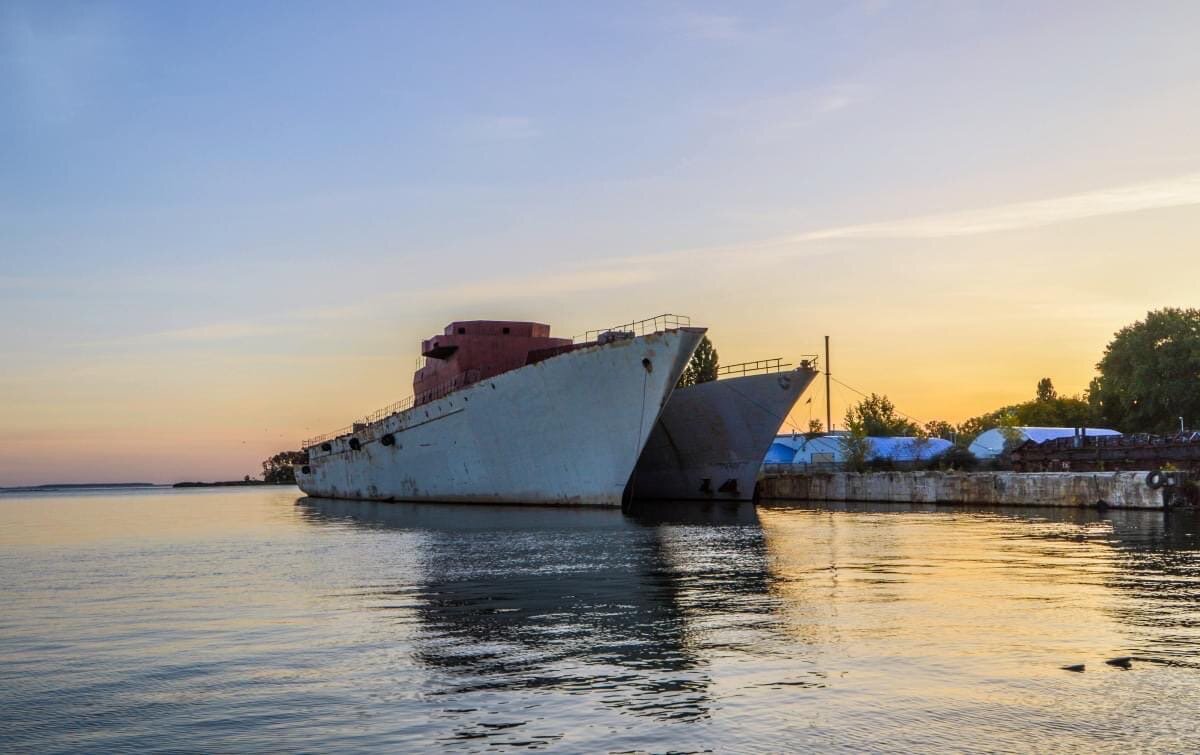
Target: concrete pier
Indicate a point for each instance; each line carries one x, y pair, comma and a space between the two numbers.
1075, 489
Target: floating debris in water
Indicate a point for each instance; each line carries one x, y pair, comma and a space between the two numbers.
1076, 667
1123, 661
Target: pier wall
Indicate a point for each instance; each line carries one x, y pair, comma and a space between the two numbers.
1115, 489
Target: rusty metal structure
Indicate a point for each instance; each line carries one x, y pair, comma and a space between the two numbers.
1090, 453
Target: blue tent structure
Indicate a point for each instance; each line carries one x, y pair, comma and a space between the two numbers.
990, 444
830, 449
781, 452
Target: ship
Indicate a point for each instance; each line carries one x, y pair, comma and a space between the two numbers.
502, 412
711, 439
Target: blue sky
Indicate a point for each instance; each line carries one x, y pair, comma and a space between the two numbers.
195, 199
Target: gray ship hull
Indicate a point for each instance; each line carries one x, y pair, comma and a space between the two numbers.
710, 441
567, 430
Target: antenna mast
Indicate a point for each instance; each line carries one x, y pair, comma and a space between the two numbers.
828, 404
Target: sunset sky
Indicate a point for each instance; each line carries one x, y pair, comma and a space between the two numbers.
225, 227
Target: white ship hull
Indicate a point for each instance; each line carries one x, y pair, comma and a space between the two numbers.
711, 439
567, 430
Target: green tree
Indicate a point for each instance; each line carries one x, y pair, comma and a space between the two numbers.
1150, 373
1045, 390
939, 429
278, 468
856, 446
703, 366
1046, 409
877, 416
1008, 424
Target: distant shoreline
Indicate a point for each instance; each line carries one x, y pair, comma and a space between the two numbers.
78, 486
227, 484
68, 486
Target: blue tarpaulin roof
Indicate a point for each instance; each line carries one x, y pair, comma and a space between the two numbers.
990, 444
831, 448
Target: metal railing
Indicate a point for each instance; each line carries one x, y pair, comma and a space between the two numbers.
403, 405
748, 368
462, 380
316, 439
389, 410
763, 365
802, 467
657, 324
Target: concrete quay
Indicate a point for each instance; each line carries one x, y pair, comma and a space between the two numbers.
1127, 490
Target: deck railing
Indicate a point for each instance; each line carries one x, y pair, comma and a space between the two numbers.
805, 466
656, 324
750, 368
763, 365
403, 405
316, 439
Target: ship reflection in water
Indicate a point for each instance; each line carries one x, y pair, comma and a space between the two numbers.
571, 602
248, 620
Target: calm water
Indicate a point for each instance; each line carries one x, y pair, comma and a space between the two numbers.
233, 620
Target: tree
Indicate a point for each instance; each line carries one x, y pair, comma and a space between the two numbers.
278, 468
939, 429
1008, 424
1047, 409
703, 366
815, 427
1045, 390
876, 415
970, 429
1150, 373
856, 446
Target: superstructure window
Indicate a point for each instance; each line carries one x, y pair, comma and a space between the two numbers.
462, 331
504, 331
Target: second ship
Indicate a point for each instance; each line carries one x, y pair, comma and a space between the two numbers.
710, 440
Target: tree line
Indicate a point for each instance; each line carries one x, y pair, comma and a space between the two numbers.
1147, 381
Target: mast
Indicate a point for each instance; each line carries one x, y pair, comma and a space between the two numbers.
828, 403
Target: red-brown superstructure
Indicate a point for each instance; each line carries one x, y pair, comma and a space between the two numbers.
473, 350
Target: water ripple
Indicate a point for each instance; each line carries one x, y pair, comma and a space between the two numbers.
248, 620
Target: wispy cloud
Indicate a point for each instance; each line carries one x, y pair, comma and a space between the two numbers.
779, 115
218, 332
1181, 191
621, 272
1173, 192
500, 128
598, 277
834, 100
711, 26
